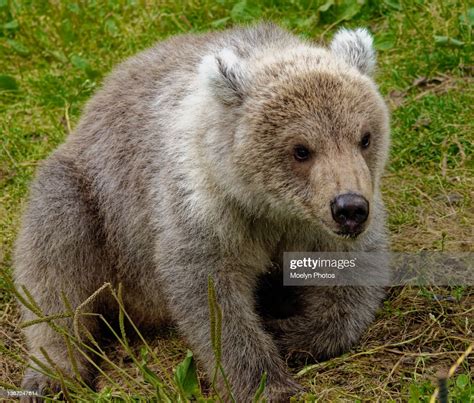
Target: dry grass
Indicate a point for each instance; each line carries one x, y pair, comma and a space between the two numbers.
418, 335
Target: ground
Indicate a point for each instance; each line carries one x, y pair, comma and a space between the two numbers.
55, 54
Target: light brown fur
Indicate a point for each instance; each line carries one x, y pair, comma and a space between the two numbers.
181, 168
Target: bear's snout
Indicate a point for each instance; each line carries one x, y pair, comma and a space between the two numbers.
350, 211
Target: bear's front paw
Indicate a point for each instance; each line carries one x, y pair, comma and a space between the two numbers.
39, 385
282, 391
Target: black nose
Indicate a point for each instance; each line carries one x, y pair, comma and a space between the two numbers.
350, 211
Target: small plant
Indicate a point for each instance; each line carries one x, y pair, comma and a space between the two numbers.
182, 387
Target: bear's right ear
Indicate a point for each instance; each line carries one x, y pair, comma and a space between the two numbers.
225, 76
356, 48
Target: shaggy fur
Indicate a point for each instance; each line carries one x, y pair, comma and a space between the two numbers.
182, 168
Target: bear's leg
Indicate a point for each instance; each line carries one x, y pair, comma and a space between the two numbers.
247, 350
59, 253
43, 341
330, 321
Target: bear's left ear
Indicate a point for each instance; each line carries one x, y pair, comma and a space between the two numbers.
225, 75
356, 48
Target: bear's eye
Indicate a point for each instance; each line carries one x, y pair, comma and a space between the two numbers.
301, 153
365, 142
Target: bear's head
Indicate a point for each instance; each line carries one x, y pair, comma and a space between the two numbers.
307, 132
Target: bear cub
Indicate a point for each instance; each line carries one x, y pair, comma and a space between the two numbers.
208, 156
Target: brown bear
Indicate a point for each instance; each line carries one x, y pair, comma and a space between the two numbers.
209, 155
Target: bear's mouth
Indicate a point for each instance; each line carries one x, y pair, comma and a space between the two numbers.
339, 232
342, 233
349, 235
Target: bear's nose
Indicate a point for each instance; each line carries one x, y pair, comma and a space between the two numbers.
350, 210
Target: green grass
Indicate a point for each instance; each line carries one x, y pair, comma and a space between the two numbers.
55, 54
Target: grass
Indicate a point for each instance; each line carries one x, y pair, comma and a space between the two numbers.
55, 54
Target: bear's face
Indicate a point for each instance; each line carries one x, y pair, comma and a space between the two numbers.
310, 130
316, 144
